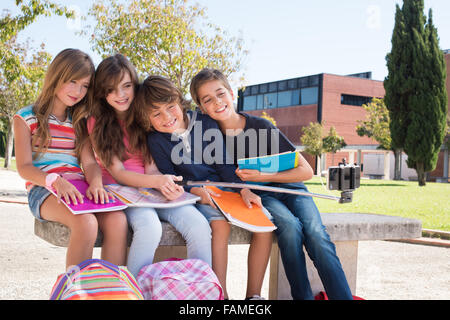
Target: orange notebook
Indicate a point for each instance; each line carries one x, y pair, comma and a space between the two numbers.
231, 205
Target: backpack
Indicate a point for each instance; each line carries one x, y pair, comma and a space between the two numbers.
96, 279
177, 279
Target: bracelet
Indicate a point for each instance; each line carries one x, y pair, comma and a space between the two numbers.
50, 179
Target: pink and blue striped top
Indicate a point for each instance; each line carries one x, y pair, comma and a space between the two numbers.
60, 156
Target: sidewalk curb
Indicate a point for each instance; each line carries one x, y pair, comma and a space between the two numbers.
14, 201
431, 233
426, 241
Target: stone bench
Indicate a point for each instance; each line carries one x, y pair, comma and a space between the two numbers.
345, 230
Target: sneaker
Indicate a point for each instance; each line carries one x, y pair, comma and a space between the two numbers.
255, 297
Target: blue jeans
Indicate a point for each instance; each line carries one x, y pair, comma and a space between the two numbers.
147, 231
298, 223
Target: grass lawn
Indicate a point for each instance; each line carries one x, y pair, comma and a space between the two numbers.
429, 204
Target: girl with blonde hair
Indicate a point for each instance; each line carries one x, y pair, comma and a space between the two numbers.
48, 155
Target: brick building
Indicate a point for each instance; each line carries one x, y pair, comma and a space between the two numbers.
332, 100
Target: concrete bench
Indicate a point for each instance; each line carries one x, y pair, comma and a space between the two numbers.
345, 230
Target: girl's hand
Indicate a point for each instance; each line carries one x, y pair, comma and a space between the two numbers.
205, 195
249, 198
64, 189
98, 193
250, 175
173, 193
167, 186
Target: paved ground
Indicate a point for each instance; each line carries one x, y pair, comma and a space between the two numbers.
386, 270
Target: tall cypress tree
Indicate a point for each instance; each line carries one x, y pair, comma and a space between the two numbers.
415, 88
398, 62
428, 107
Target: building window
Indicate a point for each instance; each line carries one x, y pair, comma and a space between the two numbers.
282, 85
273, 87
249, 103
284, 98
292, 84
309, 95
295, 101
314, 80
355, 100
288, 98
260, 101
270, 100
279, 94
254, 90
263, 88
303, 82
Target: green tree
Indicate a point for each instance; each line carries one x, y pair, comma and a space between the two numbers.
415, 88
312, 139
333, 142
10, 25
20, 88
165, 37
376, 125
316, 143
397, 87
20, 74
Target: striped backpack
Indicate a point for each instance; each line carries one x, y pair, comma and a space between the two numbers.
176, 279
96, 279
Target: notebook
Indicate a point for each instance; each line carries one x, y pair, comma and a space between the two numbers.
147, 197
232, 206
89, 206
271, 163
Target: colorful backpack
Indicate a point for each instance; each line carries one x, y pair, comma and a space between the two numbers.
176, 279
96, 279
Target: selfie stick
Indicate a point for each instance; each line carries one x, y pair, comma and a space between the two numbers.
346, 196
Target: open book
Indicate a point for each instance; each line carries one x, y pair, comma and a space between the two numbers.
89, 206
231, 205
271, 163
147, 197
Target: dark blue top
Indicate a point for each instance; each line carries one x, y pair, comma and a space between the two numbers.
198, 154
260, 138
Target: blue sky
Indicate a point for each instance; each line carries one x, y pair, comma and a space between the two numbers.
286, 38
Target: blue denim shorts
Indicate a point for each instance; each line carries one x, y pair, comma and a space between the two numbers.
36, 197
209, 212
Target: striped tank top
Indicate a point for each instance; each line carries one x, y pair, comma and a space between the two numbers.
60, 156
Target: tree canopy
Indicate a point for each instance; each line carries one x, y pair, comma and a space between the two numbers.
164, 37
416, 95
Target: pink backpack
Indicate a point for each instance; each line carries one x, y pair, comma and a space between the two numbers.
176, 279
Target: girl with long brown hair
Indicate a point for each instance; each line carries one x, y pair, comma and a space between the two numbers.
119, 139
47, 149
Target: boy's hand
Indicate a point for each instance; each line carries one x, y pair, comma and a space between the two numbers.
64, 189
205, 195
250, 175
249, 198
